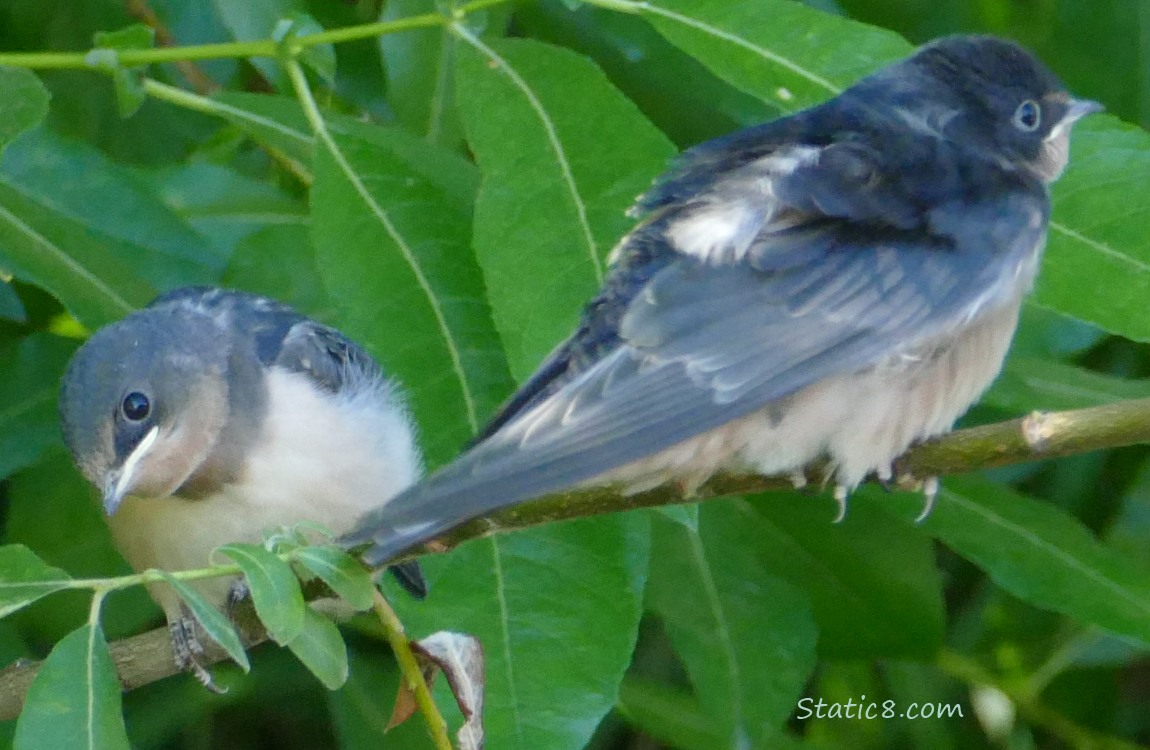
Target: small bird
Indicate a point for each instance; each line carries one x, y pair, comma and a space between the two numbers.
211, 416
838, 284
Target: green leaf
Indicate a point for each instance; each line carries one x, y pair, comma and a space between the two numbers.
1096, 233
86, 230
24, 578
40, 497
279, 122
224, 206
553, 196
11, 306
279, 262
29, 422
320, 648
73, 263
274, 588
676, 720
392, 246
74, 701
215, 624
361, 709
1028, 383
687, 515
668, 715
80, 182
25, 103
420, 68
746, 638
1040, 554
779, 51
338, 570
646, 67
557, 610
874, 586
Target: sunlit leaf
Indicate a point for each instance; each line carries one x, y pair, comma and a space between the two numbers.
553, 199
392, 246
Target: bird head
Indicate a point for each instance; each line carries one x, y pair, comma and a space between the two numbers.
144, 401
999, 99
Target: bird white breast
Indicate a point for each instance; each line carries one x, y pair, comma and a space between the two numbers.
861, 422
320, 457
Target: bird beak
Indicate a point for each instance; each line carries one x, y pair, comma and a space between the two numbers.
120, 481
1079, 108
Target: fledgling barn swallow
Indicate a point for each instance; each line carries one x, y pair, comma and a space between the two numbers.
839, 283
212, 416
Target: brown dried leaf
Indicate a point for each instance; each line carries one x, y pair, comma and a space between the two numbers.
405, 706
460, 656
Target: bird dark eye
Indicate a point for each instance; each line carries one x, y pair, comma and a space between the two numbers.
136, 406
1028, 116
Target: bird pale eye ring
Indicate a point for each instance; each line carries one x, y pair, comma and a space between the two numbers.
1028, 116
136, 406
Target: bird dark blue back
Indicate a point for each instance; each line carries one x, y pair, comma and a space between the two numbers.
835, 284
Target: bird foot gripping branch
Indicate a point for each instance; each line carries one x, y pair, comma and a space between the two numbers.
188, 650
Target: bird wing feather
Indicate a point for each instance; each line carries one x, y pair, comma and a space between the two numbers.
701, 344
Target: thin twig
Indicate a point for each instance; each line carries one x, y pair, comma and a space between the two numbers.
412, 674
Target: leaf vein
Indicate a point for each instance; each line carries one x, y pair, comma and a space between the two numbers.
568, 177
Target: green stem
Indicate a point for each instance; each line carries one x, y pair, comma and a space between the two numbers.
624, 6
412, 674
97, 603
256, 48
107, 585
368, 30
183, 98
132, 57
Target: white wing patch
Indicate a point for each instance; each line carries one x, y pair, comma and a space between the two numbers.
721, 228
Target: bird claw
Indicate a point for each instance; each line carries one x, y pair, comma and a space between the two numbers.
930, 492
187, 647
238, 592
841, 495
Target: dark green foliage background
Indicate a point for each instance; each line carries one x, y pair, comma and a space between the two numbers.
472, 184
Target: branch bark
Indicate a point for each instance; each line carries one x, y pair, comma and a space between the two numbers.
148, 657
